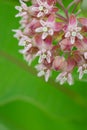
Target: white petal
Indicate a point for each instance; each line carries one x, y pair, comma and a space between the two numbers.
38, 53
44, 35
35, 9
51, 32
47, 75
85, 55
25, 49
59, 77
72, 40
48, 59
39, 29
43, 23
18, 8
39, 2
40, 14
41, 73
78, 29
67, 34
81, 74
40, 59
46, 11
63, 80
79, 36
79, 69
22, 42
70, 79
49, 53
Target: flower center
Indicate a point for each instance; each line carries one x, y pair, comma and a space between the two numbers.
73, 33
41, 8
45, 29
44, 56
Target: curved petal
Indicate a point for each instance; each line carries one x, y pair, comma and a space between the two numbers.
72, 20
83, 21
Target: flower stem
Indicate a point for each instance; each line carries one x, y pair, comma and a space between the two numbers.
64, 9
61, 17
70, 5
79, 11
77, 3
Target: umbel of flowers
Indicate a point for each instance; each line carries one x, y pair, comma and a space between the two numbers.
57, 37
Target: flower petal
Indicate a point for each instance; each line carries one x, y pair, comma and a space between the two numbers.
47, 75
72, 20
40, 29
44, 35
67, 34
40, 14
83, 21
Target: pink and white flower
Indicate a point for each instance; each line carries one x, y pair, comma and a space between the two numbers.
64, 77
73, 30
23, 9
42, 8
43, 71
49, 27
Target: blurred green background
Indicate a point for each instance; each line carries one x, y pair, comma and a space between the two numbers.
27, 102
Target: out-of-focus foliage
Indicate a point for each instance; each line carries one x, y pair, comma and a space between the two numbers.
84, 7
27, 102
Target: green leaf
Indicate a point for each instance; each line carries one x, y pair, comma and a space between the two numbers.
27, 102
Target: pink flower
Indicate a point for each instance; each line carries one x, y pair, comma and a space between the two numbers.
73, 30
64, 77
59, 63
49, 27
22, 9
29, 53
43, 71
42, 8
44, 47
23, 39
66, 45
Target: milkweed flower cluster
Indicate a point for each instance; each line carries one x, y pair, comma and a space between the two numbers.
57, 37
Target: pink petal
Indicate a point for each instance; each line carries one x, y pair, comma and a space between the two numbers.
83, 21
66, 45
72, 21
70, 64
48, 40
54, 10
58, 26
38, 40
51, 18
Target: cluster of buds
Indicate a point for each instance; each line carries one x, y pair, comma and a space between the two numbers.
55, 36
